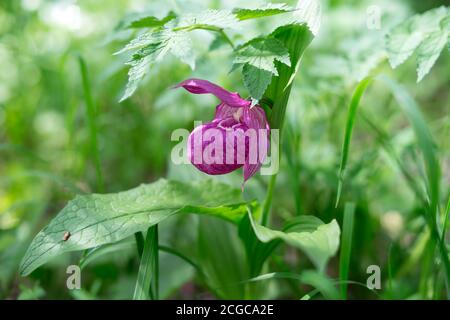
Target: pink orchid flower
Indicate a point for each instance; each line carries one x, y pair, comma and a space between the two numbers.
237, 136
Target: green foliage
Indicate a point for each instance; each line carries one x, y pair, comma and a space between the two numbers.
151, 21
269, 9
426, 34
258, 58
93, 220
319, 244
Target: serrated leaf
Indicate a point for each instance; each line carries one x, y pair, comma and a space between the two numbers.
152, 48
256, 80
403, 40
269, 9
429, 52
151, 21
222, 19
92, 220
319, 245
262, 54
309, 12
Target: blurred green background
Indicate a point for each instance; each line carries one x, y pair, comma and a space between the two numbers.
46, 150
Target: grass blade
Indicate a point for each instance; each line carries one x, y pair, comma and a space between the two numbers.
91, 114
344, 259
428, 149
351, 115
147, 281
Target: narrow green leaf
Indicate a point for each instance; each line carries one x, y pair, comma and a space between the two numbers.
346, 247
148, 272
91, 115
92, 220
433, 174
351, 115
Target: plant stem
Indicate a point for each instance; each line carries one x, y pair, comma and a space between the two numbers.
265, 217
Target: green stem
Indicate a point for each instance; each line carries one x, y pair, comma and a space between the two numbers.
265, 217
296, 39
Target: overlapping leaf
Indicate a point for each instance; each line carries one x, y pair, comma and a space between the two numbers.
425, 34
258, 57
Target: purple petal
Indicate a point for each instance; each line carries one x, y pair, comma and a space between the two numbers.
214, 149
199, 86
224, 111
255, 118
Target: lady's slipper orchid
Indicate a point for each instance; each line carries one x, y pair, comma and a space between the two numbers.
237, 136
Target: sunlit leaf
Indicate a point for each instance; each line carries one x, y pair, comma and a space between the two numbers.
269, 9
427, 33
151, 21
92, 220
319, 245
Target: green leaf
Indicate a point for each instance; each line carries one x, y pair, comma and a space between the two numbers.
153, 48
427, 33
256, 80
222, 19
148, 267
151, 22
258, 57
319, 245
351, 116
262, 53
309, 12
269, 9
429, 52
296, 38
92, 220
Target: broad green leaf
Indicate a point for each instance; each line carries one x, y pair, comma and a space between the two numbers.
319, 245
256, 80
151, 22
171, 36
258, 57
309, 12
153, 48
269, 9
262, 54
429, 52
222, 258
427, 33
92, 220
221, 19
295, 38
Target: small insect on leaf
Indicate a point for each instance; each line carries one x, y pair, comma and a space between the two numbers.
66, 236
